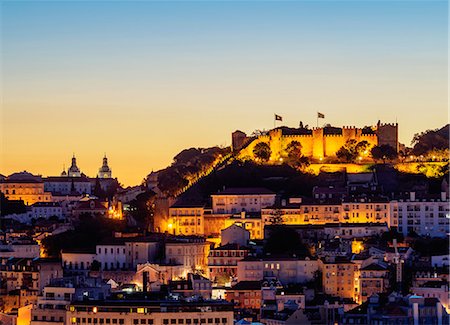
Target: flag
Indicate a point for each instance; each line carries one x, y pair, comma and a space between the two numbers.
320, 115
278, 118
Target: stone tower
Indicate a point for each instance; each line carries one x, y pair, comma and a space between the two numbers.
104, 171
387, 133
74, 171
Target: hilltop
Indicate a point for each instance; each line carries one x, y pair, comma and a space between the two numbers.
286, 159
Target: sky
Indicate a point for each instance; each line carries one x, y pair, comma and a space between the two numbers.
143, 80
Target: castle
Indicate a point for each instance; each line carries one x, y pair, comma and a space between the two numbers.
316, 143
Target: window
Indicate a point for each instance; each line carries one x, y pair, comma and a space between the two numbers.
165, 321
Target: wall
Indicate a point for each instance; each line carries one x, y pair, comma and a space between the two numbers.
318, 144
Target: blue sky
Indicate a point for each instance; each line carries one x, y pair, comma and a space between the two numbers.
119, 76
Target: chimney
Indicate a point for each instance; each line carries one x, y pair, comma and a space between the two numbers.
412, 196
144, 281
283, 203
443, 196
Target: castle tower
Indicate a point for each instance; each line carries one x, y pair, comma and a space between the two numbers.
387, 133
238, 139
74, 171
104, 171
318, 143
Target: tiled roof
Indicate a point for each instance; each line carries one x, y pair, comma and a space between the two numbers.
247, 285
244, 191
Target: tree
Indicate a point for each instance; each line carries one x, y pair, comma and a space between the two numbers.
383, 152
142, 209
294, 155
262, 151
352, 150
430, 139
283, 240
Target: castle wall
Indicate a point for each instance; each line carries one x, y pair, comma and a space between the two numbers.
318, 144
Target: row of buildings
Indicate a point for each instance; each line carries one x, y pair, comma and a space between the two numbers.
31, 189
255, 208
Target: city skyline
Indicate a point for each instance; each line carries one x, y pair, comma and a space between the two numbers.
142, 81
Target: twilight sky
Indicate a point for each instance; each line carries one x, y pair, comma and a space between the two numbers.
143, 80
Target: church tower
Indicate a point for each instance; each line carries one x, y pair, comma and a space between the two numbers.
104, 171
74, 171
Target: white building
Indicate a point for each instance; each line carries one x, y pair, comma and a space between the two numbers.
424, 216
64, 185
20, 250
235, 200
150, 312
234, 234
46, 210
286, 270
111, 256
77, 261
51, 306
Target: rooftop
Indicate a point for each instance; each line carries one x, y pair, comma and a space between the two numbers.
245, 191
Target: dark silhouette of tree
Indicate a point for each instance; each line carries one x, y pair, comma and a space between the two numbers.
285, 241
383, 152
98, 191
352, 150
11, 206
430, 139
142, 209
262, 151
294, 155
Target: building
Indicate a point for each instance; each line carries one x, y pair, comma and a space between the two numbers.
191, 253
373, 279
51, 306
223, 261
251, 222
366, 210
73, 170
340, 277
247, 199
397, 309
104, 171
234, 234
318, 142
46, 210
425, 216
25, 187
245, 295
434, 289
287, 270
195, 285
64, 185
20, 249
151, 312
30, 273
186, 219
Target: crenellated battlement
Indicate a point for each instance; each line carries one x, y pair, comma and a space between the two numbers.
389, 124
319, 144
